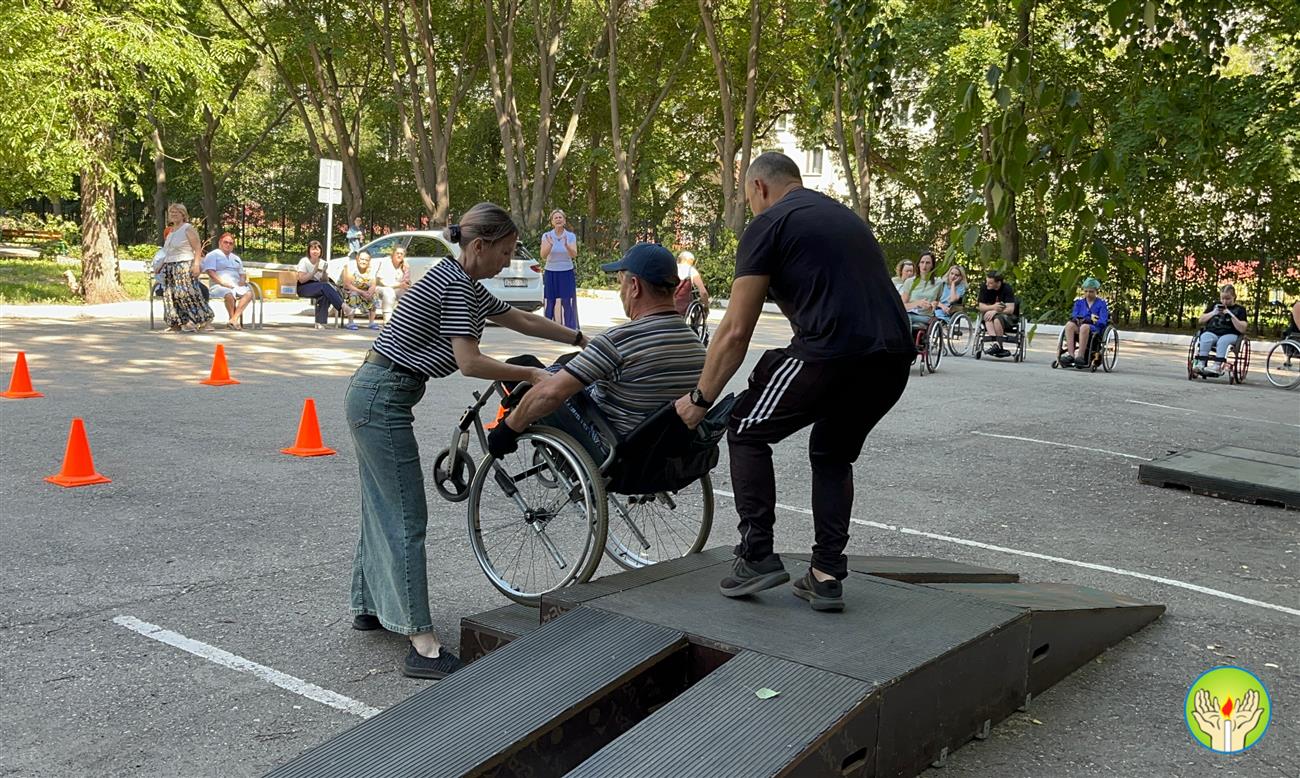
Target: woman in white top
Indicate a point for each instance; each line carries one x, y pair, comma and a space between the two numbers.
359, 288
392, 279
560, 282
185, 306
314, 282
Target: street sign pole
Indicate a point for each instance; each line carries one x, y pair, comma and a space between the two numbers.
330, 191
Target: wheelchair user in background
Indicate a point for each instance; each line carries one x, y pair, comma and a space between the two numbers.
1223, 328
1083, 333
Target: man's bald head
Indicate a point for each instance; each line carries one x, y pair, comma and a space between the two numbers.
771, 176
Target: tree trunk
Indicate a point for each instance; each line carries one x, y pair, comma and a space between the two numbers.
207, 177
100, 281
731, 173
159, 179
616, 134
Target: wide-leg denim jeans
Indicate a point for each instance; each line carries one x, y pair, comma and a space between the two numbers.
388, 572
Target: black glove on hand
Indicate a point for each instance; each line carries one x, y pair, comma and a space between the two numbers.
502, 440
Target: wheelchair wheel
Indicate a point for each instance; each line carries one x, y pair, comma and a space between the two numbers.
959, 333
531, 538
977, 344
697, 320
1060, 349
453, 471
1282, 365
1109, 349
934, 346
649, 528
1240, 363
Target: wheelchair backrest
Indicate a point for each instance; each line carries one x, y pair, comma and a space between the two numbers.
663, 455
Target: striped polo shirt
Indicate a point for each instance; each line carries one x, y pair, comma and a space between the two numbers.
445, 304
633, 369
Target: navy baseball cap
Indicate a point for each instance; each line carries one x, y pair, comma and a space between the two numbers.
649, 261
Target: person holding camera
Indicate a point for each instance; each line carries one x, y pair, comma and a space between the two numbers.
1222, 325
1089, 316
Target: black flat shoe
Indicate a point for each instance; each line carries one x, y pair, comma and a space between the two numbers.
365, 622
417, 665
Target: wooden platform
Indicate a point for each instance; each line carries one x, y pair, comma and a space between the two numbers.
652, 673
1230, 472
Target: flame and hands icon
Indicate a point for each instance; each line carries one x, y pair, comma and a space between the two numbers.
1228, 724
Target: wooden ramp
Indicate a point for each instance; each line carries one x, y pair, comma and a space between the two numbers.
652, 673
1230, 472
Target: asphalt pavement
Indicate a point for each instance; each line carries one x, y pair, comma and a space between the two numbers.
208, 532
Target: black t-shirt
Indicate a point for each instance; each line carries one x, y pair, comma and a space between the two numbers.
827, 276
1222, 324
1003, 294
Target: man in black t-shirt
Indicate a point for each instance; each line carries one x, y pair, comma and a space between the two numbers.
997, 304
844, 369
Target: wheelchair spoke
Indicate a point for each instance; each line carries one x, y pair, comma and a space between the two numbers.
654, 527
629, 523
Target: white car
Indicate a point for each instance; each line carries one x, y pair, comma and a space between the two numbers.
520, 284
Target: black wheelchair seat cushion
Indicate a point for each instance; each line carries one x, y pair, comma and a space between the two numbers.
663, 455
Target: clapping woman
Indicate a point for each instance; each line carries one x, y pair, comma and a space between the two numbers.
560, 281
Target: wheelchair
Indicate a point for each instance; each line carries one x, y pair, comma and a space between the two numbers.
541, 518
929, 340
1282, 366
958, 332
1103, 348
1015, 335
697, 318
1237, 363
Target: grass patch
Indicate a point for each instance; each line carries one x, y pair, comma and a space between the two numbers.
40, 282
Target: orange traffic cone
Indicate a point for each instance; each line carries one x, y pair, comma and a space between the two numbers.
220, 372
309, 443
20, 386
78, 467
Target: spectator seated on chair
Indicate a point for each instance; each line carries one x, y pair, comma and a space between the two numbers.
225, 271
314, 282
627, 373
1088, 320
358, 284
1222, 325
997, 304
921, 293
392, 279
951, 293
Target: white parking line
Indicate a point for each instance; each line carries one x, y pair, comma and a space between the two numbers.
1062, 445
226, 659
1214, 414
1191, 587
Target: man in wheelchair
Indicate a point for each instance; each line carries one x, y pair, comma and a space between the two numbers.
625, 374
997, 304
1083, 331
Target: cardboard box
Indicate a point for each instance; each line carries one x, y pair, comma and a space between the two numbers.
286, 282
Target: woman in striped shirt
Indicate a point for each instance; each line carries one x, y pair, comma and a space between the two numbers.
434, 332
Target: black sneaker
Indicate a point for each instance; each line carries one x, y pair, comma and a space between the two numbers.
1081, 366
417, 665
752, 577
1067, 360
366, 622
822, 595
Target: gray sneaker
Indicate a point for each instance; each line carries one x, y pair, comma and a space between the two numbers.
752, 577
821, 595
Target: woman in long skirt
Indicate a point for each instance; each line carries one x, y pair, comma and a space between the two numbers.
185, 307
560, 281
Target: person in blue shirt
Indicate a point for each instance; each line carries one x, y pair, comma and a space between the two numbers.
354, 236
1089, 317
